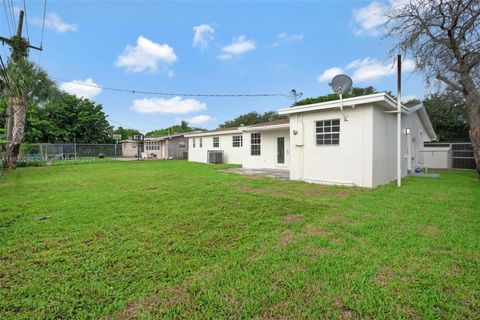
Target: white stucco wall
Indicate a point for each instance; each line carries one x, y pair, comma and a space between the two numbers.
231, 154
385, 147
437, 157
268, 155
349, 163
129, 149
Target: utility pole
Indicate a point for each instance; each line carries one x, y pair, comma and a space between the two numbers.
19, 47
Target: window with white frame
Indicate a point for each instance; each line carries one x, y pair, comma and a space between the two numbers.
193, 142
255, 141
216, 142
327, 132
200, 142
237, 141
182, 144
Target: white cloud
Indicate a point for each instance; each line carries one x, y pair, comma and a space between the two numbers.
175, 105
284, 38
200, 119
145, 56
370, 18
328, 74
81, 88
55, 22
368, 69
203, 36
238, 46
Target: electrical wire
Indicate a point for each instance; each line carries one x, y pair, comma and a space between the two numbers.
8, 19
160, 93
126, 126
12, 12
43, 23
26, 19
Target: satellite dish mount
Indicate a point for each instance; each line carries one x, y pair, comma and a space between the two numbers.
341, 84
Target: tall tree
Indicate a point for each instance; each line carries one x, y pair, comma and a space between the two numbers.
252, 118
444, 38
22, 83
67, 118
448, 114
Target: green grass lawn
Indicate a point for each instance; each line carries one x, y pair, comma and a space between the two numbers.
173, 239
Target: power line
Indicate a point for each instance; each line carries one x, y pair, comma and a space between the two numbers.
160, 93
14, 21
7, 17
126, 126
43, 22
26, 19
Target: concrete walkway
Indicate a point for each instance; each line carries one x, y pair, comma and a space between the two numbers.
283, 174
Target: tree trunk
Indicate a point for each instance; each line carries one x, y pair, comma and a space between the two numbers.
472, 100
18, 114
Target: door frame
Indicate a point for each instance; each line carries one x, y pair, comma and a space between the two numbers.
282, 164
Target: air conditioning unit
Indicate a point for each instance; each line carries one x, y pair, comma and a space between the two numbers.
215, 156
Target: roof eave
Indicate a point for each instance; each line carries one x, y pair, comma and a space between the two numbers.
389, 103
266, 128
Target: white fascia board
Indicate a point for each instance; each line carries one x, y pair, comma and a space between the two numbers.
211, 133
266, 128
382, 98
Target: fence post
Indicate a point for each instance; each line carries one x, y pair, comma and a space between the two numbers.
75, 148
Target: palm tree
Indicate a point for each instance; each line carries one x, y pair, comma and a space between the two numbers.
21, 83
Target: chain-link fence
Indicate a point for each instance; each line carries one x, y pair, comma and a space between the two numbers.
66, 151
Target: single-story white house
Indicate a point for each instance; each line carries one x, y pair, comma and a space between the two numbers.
321, 144
174, 146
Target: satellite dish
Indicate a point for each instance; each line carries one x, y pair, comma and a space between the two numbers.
341, 84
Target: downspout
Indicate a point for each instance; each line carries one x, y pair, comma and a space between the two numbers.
399, 120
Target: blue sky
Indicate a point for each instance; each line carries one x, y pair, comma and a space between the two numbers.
209, 47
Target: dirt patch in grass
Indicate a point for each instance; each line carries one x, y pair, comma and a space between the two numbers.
175, 296
345, 311
293, 218
245, 188
430, 231
132, 310
287, 238
315, 231
172, 297
383, 277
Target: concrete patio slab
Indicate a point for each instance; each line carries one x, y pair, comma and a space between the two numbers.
283, 174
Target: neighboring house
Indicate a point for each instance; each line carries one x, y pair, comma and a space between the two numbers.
319, 145
129, 148
165, 147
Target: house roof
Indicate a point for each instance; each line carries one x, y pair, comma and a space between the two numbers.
379, 99
423, 115
270, 125
168, 136
218, 131
382, 99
